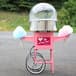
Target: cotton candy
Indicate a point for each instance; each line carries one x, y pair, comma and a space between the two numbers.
65, 30
19, 32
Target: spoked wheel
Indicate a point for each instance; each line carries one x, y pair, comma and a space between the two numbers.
32, 67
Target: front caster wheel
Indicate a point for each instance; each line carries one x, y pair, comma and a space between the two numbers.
35, 68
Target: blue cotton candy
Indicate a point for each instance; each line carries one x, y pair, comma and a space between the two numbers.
19, 32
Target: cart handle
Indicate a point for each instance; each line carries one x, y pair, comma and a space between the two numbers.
28, 38
58, 38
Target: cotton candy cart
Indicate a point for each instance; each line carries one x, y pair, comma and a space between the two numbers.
43, 19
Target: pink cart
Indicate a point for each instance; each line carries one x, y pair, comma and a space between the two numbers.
43, 24
35, 62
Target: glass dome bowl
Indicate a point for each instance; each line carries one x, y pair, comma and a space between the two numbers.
43, 11
43, 17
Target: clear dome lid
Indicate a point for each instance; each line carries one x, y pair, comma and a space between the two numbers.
43, 11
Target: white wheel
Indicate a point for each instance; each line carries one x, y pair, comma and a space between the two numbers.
32, 67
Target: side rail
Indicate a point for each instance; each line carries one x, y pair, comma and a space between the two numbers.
28, 38
59, 38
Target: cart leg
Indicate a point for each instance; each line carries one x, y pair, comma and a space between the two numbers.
35, 52
52, 61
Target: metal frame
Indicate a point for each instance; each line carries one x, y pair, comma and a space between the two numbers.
50, 46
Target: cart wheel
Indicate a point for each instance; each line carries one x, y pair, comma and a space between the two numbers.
34, 68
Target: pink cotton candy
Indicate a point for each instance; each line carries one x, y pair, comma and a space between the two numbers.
65, 30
